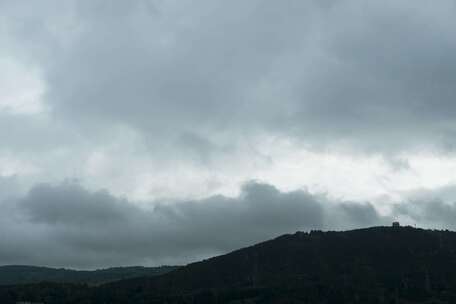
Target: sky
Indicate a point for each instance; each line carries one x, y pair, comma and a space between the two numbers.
150, 132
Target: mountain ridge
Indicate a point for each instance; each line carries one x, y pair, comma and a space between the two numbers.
27, 274
370, 265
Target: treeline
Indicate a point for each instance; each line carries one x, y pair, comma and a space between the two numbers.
381, 265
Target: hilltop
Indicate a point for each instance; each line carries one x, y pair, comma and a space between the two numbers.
373, 265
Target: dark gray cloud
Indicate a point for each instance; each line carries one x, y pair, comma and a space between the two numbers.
66, 225
9, 187
376, 75
434, 208
196, 80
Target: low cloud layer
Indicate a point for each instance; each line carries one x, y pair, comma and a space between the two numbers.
66, 225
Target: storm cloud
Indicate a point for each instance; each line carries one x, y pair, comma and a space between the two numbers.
66, 225
325, 73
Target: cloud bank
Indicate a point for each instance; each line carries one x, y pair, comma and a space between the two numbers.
66, 225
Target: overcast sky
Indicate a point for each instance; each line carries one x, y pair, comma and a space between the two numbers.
146, 132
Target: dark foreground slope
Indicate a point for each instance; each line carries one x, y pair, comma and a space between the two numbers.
375, 265
16, 274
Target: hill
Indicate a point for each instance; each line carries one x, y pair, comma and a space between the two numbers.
17, 274
373, 265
